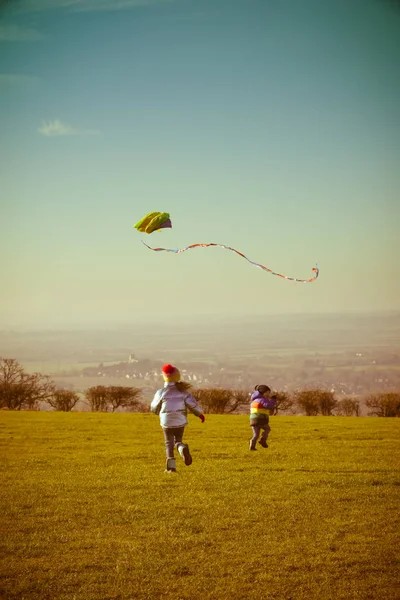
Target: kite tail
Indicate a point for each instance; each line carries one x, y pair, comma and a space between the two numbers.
179, 250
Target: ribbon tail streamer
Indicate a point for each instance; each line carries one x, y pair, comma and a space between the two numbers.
264, 268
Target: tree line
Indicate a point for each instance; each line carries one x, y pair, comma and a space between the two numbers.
23, 391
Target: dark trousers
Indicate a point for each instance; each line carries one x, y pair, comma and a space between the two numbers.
257, 426
173, 438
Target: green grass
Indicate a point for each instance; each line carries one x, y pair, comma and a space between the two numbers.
87, 512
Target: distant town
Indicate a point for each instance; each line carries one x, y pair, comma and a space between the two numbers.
351, 355
355, 374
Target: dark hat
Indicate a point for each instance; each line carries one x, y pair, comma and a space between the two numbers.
262, 388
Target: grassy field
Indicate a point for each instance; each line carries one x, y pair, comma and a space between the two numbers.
87, 512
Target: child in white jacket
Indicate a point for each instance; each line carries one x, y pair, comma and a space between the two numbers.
171, 403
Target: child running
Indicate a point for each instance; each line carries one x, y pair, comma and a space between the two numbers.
262, 405
171, 403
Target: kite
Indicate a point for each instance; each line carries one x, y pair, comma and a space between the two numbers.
153, 221
157, 220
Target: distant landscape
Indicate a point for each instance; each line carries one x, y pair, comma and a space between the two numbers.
347, 354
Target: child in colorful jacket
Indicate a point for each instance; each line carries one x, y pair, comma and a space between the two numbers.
262, 405
171, 403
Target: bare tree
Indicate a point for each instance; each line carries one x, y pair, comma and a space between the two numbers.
97, 397
384, 404
327, 402
348, 407
307, 402
315, 401
102, 398
124, 397
63, 400
283, 402
139, 406
220, 400
239, 398
20, 390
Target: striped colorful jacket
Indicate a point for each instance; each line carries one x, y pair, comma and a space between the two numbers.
260, 407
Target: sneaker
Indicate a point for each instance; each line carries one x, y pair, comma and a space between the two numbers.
186, 456
263, 443
170, 466
252, 447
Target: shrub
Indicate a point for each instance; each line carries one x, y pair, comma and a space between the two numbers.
97, 398
348, 407
384, 404
20, 390
284, 401
220, 400
316, 401
63, 400
102, 398
124, 397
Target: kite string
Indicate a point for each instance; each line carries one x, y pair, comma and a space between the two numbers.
179, 250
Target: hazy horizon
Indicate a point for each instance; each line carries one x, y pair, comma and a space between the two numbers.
348, 352
272, 127
196, 319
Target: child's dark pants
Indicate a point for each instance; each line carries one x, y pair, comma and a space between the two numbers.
173, 438
256, 427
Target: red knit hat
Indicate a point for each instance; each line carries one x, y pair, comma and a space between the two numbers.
170, 373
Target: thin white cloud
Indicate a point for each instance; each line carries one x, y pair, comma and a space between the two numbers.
194, 15
85, 5
13, 80
110, 5
57, 128
16, 33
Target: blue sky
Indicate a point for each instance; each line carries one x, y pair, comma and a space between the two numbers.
271, 126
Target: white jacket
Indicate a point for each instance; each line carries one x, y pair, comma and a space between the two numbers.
172, 405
